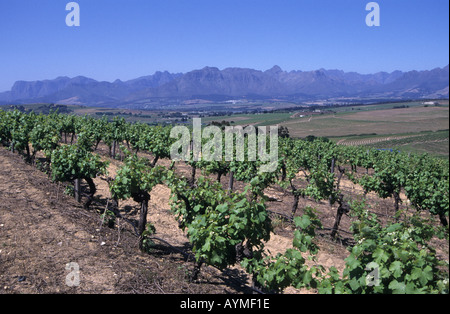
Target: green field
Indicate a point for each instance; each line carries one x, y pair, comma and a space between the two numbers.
436, 143
411, 127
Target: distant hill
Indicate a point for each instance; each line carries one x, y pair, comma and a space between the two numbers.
211, 83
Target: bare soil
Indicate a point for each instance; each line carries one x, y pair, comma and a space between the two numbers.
42, 230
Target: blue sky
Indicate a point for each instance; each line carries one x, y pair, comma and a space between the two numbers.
125, 39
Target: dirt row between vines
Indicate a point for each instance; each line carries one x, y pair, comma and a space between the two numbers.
42, 230
167, 227
347, 142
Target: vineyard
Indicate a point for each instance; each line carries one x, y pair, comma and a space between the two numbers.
229, 210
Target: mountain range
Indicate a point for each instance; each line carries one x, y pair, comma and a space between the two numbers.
212, 84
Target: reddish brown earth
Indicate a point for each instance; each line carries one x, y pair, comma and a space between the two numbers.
42, 230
